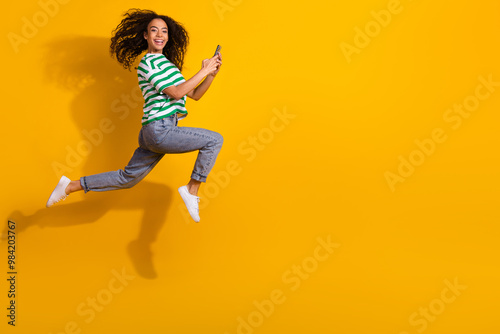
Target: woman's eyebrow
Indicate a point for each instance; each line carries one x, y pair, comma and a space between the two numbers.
164, 28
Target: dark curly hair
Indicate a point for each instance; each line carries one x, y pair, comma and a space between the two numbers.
128, 40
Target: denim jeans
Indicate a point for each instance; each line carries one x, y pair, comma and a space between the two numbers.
155, 140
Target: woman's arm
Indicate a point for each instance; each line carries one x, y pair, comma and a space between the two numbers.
209, 66
200, 90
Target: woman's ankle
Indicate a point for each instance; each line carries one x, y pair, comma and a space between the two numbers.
73, 186
193, 186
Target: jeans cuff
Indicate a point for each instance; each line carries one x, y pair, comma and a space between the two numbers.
198, 177
83, 183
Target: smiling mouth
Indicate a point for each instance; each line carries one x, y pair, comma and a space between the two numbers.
159, 41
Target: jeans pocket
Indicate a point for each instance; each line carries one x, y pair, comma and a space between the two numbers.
161, 129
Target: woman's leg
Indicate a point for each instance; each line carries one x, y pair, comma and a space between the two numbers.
170, 138
187, 139
209, 143
141, 163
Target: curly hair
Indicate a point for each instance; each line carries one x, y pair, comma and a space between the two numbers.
128, 40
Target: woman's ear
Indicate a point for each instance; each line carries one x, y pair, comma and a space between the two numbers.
145, 35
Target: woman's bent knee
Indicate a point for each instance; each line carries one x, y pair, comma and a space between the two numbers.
219, 140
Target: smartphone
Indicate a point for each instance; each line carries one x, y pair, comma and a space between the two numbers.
217, 50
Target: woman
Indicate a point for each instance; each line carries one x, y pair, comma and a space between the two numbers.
164, 90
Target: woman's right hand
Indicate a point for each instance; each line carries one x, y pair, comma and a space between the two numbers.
210, 65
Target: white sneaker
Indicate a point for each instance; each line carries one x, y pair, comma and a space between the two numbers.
59, 193
191, 202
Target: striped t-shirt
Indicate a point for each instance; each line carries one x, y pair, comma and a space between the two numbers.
155, 73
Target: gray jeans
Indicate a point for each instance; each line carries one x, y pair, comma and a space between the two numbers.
155, 140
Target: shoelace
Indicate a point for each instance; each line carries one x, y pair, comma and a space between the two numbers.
195, 201
61, 199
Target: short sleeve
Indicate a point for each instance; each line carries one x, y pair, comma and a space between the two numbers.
160, 73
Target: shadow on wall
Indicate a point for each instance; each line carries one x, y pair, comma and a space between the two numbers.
107, 110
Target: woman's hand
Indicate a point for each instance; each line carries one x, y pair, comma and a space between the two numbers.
212, 65
218, 67
196, 86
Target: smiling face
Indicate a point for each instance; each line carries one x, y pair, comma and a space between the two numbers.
157, 35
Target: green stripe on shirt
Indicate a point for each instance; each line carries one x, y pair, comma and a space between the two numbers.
154, 68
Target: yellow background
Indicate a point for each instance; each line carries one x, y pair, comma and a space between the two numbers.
320, 176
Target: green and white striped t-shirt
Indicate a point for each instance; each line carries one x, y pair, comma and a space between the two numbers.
155, 73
